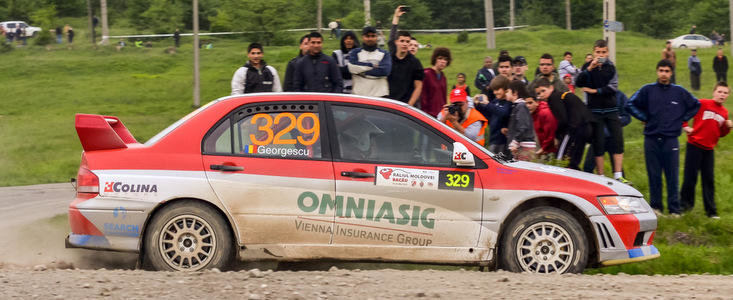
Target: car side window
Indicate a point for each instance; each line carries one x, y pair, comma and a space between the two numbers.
277, 131
371, 135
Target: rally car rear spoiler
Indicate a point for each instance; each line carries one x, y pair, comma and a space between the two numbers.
97, 132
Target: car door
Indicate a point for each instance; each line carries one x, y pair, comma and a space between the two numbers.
396, 184
265, 161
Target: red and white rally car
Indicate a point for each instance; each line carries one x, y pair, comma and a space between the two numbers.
299, 176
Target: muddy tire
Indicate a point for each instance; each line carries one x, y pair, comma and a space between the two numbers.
188, 236
544, 240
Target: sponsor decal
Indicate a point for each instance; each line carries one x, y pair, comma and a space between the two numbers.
460, 156
121, 187
119, 212
353, 231
278, 151
121, 229
405, 177
505, 171
367, 209
456, 180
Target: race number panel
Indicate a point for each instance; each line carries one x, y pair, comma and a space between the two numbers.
456, 180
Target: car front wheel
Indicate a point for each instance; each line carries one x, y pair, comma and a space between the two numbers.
683, 46
544, 240
188, 236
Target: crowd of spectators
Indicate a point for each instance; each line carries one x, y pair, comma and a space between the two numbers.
519, 119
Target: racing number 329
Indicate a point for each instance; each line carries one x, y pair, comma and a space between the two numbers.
276, 138
457, 180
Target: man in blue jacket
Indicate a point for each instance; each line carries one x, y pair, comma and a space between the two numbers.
663, 107
317, 72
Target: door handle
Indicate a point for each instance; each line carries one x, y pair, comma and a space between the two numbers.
357, 174
226, 168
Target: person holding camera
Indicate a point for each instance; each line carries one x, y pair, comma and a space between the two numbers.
462, 118
599, 81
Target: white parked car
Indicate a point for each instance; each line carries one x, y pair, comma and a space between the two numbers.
11, 26
692, 41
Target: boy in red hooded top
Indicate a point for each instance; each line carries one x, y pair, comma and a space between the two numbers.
710, 123
545, 125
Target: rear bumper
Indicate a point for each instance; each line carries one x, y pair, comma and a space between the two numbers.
635, 255
95, 242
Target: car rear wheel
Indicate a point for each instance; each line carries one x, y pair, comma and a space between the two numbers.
188, 236
683, 46
544, 240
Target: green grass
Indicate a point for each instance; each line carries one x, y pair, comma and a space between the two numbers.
148, 90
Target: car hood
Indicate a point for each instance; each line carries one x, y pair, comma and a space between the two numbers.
618, 187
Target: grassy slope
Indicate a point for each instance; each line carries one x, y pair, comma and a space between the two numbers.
149, 90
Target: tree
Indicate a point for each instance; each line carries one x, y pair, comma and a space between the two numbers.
263, 18
163, 16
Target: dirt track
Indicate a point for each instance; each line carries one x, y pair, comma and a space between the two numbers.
34, 263
354, 284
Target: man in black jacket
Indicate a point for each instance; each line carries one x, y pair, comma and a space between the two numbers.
317, 72
599, 80
572, 117
290, 69
720, 66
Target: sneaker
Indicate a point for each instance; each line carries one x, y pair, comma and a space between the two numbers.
674, 215
658, 212
624, 181
714, 217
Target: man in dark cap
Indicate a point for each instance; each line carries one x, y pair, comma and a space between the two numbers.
370, 66
519, 67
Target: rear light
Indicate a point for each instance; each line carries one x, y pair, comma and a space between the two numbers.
86, 181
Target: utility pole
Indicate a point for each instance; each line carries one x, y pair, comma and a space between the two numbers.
511, 14
105, 27
730, 17
367, 12
196, 83
489, 18
609, 14
91, 24
568, 26
320, 16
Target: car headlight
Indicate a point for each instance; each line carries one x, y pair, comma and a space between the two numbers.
619, 205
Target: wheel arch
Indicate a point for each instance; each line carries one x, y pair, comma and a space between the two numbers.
556, 202
232, 229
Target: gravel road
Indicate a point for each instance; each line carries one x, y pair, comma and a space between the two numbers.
35, 264
354, 284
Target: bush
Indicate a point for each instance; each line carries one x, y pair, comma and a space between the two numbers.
462, 37
5, 47
43, 38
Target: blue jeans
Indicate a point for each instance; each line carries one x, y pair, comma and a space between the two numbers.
662, 154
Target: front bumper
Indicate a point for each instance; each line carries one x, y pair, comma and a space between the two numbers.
625, 238
635, 255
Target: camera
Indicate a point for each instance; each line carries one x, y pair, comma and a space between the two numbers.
404, 8
454, 108
602, 60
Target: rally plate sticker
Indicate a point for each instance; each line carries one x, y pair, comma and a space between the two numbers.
456, 180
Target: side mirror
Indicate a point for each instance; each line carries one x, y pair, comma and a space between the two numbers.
461, 156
